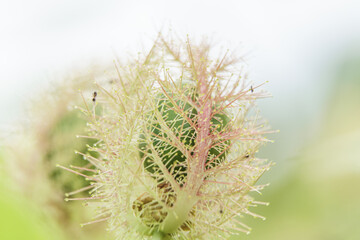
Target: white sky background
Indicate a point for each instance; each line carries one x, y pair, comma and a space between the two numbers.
292, 44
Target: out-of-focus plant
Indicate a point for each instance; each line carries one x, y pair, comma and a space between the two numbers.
47, 138
176, 143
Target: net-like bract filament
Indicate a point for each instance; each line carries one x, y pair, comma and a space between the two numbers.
177, 137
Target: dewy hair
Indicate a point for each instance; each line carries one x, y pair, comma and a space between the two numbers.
177, 133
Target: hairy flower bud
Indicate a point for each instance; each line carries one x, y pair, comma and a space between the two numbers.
176, 146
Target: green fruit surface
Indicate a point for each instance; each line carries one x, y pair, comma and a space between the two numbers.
184, 131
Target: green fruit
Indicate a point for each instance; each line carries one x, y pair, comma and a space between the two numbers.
169, 154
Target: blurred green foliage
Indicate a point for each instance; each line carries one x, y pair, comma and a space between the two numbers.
19, 220
318, 197
30, 159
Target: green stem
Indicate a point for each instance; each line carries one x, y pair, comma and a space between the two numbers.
158, 236
179, 213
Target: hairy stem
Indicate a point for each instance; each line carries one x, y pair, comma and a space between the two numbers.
203, 141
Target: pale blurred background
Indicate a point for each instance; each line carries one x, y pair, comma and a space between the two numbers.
309, 51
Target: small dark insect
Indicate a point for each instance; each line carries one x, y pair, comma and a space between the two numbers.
94, 96
247, 156
221, 211
251, 88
